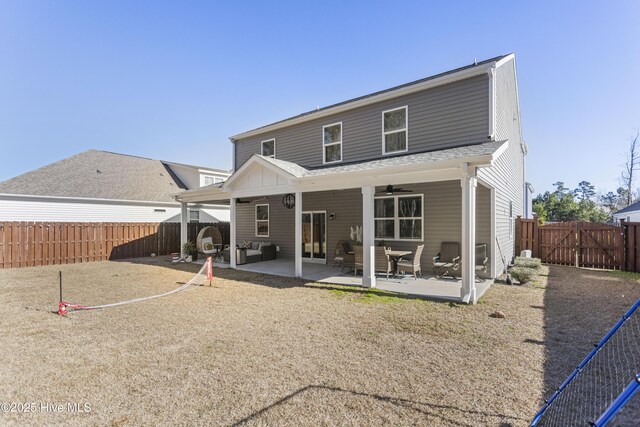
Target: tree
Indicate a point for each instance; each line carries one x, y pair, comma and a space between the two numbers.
564, 204
627, 177
585, 191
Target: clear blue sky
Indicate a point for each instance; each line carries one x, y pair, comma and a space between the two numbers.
173, 80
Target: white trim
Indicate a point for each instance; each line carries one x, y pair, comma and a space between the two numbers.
246, 165
273, 156
184, 220
368, 236
468, 182
233, 226
492, 102
405, 130
298, 235
268, 220
324, 146
389, 94
396, 218
29, 197
494, 237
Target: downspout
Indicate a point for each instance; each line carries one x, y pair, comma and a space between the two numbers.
492, 102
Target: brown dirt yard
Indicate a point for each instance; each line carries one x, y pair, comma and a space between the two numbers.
262, 350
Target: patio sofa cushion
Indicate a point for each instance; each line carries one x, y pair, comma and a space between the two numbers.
252, 252
255, 245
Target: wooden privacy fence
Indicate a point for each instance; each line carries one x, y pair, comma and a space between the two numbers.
26, 244
583, 244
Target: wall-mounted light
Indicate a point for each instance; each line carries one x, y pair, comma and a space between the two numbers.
332, 216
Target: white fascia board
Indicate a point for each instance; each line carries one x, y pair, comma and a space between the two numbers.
30, 197
449, 78
249, 163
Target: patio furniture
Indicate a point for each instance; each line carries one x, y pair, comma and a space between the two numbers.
255, 252
481, 259
382, 261
211, 233
358, 259
448, 260
412, 265
395, 256
342, 247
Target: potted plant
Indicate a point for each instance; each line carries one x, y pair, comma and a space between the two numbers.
189, 249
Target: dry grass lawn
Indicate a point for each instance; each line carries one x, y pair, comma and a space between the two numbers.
255, 349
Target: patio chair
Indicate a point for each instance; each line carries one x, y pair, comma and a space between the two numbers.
342, 248
448, 260
481, 259
358, 259
382, 261
412, 265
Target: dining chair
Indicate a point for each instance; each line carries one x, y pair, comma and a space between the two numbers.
412, 265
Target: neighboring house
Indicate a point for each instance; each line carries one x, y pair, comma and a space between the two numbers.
439, 159
99, 186
630, 214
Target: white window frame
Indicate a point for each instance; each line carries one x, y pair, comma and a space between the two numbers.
274, 147
194, 211
405, 130
396, 218
324, 146
204, 180
268, 220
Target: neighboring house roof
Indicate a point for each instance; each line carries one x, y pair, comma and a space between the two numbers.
631, 208
98, 174
309, 115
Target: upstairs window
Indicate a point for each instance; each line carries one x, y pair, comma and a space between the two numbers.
194, 216
394, 130
269, 148
262, 220
332, 143
210, 179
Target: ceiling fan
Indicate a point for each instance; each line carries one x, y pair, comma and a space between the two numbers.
389, 190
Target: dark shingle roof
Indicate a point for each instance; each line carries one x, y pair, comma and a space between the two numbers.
632, 207
477, 150
99, 175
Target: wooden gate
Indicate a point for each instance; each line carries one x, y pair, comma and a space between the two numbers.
583, 244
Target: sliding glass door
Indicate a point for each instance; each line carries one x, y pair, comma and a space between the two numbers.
314, 236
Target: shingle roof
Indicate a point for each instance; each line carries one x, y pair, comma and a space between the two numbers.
99, 175
456, 153
632, 207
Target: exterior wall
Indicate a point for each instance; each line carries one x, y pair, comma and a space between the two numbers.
62, 211
192, 177
633, 216
442, 219
507, 175
281, 225
441, 117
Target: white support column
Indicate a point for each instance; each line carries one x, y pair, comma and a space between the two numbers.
298, 234
232, 233
184, 220
368, 237
468, 181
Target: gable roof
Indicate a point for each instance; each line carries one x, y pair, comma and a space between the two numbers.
631, 208
414, 86
95, 174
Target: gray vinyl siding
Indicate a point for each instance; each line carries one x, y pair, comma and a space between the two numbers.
281, 225
446, 116
442, 219
507, 175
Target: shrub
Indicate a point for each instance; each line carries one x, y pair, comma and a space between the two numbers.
523, 274
534, 263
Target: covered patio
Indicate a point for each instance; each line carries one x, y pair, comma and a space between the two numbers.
443, 185
428, 286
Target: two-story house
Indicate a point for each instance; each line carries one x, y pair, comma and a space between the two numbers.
436, 160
